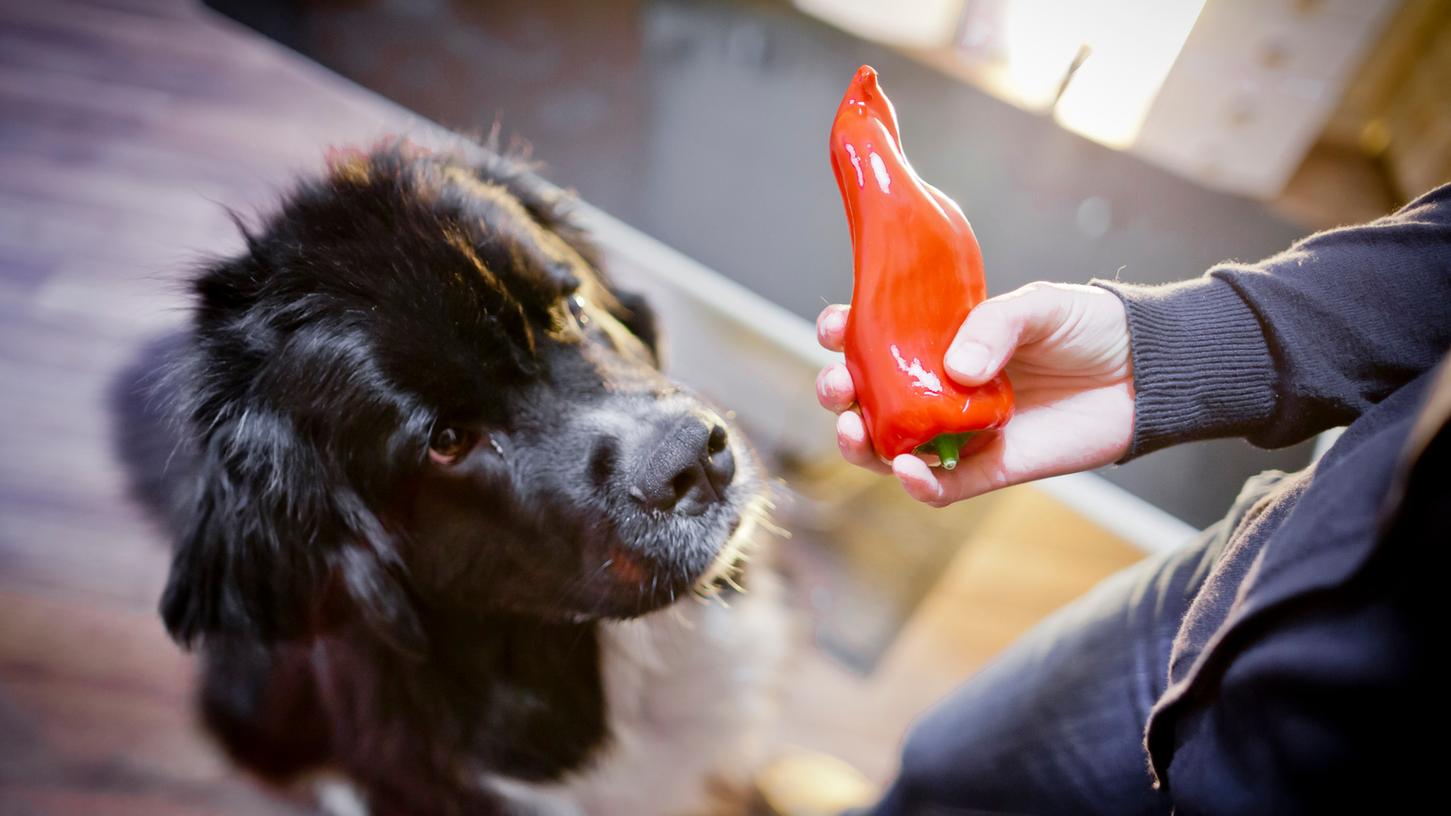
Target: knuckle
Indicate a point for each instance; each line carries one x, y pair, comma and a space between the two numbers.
1040, 293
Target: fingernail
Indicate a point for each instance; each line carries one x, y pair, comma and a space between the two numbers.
850, 427
911, 468
838, 381
968, 359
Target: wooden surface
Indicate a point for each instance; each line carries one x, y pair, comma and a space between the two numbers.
125, 125
1026, 557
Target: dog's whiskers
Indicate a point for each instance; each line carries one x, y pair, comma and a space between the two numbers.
737, 552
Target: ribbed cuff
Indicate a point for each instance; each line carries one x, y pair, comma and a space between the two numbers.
1202, 368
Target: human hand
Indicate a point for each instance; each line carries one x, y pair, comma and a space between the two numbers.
1066, 349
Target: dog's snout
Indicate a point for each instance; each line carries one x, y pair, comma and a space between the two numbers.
686, 469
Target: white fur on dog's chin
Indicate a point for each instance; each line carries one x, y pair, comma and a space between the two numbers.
690, 692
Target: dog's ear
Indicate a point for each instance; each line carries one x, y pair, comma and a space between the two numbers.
374, 577
244, 566
276, 534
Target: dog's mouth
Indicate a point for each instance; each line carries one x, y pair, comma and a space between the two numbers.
701, 570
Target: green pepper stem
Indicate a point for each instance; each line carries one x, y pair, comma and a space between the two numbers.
946, 446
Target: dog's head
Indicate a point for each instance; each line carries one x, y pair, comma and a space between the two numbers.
416, 395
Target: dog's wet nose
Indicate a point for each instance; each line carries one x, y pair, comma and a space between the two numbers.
687, 469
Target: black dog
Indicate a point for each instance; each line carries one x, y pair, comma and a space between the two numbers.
425, 479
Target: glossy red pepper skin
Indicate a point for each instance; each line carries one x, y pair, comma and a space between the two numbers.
917, 273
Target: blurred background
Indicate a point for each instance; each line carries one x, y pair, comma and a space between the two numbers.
1137, 139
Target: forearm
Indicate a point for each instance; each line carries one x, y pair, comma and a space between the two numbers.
1305, 340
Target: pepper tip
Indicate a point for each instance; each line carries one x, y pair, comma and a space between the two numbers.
866, 78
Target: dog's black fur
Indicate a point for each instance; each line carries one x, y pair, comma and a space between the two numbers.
421, 448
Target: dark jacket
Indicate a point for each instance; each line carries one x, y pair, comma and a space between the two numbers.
1299, 679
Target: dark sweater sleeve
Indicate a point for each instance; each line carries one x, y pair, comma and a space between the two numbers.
1279, 350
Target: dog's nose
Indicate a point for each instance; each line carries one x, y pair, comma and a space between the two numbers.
686, 469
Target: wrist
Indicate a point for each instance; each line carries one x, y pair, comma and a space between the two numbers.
1200, 367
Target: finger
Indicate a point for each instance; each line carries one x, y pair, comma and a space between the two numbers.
831, 326
918, 479
851, 439
996, 327
834, 389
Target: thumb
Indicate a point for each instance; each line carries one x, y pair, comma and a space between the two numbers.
996, 327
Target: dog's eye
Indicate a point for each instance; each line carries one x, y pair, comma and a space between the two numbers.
449, 443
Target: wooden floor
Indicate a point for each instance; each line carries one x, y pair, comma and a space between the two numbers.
124, 126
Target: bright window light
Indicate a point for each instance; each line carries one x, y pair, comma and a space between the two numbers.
1124, 50
1110, 94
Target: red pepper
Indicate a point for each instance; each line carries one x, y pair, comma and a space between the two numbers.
917, 273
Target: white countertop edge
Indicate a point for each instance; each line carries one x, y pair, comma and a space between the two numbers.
1119, 511
690, 277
